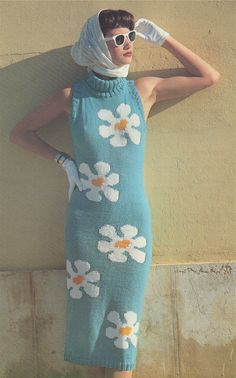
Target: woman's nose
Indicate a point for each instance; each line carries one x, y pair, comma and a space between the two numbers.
127, 41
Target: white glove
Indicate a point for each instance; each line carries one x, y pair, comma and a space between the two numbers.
72, 174
150, 32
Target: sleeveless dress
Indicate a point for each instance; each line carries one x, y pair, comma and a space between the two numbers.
108, 237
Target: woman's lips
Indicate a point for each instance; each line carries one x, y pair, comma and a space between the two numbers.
128, 54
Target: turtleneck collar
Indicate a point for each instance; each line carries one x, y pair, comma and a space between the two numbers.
105, 87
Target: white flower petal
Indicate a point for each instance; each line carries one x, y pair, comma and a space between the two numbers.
123, 110
108, 230
102, 168
114, 317
111, 332
121, 343
130, 317
129, 231
76, 293
84, 168
69, 268
111, 194
106, 115
140, 242
112, 179
134, 120
82, 266
93, 276
136, 327
135, 135
105, 131
118, 141
93, 195
117, 257
91, 290
69, 283
137, 255
104, 246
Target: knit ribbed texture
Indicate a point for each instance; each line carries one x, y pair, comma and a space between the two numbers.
108, 239
101, 86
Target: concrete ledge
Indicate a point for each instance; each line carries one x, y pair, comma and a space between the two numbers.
188, 326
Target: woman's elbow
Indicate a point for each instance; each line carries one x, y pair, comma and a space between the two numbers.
214, 78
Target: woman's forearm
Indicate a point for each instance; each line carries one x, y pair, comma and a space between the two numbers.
29, 140
25, 134
191, 61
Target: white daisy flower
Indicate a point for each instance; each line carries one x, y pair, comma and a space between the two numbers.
123, 331
100, 182
81, 279
119, 245
120, 128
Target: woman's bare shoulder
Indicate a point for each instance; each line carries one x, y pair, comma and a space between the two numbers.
145, 86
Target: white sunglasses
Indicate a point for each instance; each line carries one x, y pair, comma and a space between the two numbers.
119, 39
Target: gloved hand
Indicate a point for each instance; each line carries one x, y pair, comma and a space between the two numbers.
72, 175
150, 32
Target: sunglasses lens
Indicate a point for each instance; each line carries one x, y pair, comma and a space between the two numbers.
132, 36
120, 40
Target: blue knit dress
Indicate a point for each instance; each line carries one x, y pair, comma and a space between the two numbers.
108, 237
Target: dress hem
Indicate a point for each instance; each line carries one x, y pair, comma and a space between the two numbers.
99, 362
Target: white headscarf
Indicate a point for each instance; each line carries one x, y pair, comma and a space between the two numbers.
91, 50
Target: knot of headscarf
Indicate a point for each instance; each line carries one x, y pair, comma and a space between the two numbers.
91, 50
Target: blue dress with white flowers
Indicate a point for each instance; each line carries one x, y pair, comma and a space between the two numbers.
108, 237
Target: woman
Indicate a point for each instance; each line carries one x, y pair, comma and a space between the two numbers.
108, 238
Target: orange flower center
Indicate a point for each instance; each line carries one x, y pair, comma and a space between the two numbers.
99, 181
78, 279
121, 125
125, 331
124, 243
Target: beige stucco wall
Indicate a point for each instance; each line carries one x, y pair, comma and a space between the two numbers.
189, 161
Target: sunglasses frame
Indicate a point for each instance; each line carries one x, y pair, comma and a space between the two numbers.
125, 35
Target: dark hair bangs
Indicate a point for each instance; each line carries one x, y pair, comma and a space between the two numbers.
111, 19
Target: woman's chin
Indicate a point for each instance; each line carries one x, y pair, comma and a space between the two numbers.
126, 60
